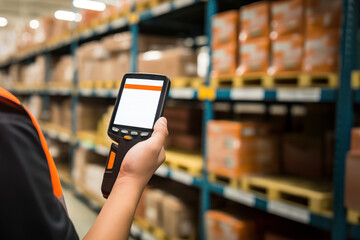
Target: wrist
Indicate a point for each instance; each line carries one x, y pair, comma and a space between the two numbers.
132, 182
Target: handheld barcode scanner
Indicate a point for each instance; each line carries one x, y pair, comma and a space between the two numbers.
139, 104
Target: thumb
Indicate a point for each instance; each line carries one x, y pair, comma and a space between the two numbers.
160, 132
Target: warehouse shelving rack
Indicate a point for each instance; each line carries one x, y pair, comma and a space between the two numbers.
344, 97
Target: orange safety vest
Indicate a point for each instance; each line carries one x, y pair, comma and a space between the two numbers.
6, 96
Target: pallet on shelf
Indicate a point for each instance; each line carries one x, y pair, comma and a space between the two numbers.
86, 136
353, 216
142, 6
355, 79
188, 162
315, 195
303, 80
224, 180
86, 84
56, 85
182, 82
278, 80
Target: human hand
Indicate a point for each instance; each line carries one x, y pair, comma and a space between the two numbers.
142, 160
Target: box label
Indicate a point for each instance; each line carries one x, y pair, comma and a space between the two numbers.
161, 9
288, 211
247, 94
181, 177
239, 196
304, 95
162, 171
182, 93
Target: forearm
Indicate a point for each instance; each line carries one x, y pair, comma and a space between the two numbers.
115, 218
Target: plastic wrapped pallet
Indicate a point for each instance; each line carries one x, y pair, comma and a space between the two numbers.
287, 54
178, 219
254, 56
225, 28
220, 225
321, 51
254, 21
287, 17
235, 149
177, 62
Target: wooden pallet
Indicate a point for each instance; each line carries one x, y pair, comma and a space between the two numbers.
231, 182
160, 234
182, 82
314, 195
355, 79
86, 84
56, 85
148, 4
353, 216
226, 81
302, 80
184, 161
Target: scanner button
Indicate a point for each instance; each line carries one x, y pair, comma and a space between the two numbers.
115, 129
127, 137
144, 134
134, 133
124, 131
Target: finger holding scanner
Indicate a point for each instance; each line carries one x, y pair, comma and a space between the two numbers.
139, 104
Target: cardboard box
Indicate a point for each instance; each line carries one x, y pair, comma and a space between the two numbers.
186, 141
254, 21
123, 42
254, 56
179, 221
220, 225
352, 179
154, 207
287, 17
82, 156
355, 140
225, 28
93, 179
322, 51
235, 149
303, 155
121, 65
178, 62
64, 71
274, 236
287, 54
55, 113
323, 14
225, 60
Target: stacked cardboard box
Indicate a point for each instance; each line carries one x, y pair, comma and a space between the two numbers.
184, 124
322, 35
173, 215
287, 27
352, 177
88, 114
63, 72
221, 225
34, 74
225, 28
102, 126
235, 149
254, 38
88, 173
174, 63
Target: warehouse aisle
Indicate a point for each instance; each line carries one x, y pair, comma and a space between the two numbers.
81, 216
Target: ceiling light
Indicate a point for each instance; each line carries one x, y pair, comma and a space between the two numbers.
91, 5
67, 16
3, 22
34, 24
